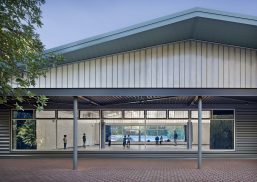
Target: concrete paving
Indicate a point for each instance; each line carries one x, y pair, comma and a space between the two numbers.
148, 170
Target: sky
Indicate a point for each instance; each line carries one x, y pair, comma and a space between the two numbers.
66, 21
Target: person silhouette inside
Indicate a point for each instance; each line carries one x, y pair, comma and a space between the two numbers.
124, 141
64, 141
175, 137
84, 138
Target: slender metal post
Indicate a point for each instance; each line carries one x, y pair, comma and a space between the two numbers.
189, 131
199, 166
75, 133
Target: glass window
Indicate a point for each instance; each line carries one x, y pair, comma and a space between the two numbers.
134, 114
45, 114
223, 114
156, 114
89, 114
112, 114
26, 114
222, 134
178, 114
205, 114
24, 134
65, 114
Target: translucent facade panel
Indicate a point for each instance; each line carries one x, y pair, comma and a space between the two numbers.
45, 114
134, 114
46, 134
89, 114
91, 129
178, 114
112, 114
156, 114
65, 114
64, 127
124, 121
205, 114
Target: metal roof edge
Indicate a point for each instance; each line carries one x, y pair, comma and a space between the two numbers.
155, 23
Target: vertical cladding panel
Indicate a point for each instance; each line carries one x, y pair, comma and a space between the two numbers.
188, 78
142, 68
109, 74
176, 66
114, 71
65, 76
226, 68
231, 55
193, 65
84, 74
204, 65
131, 69
189, 64
148, 68
248, 69
48, 79
75, 80
92, 81
154, 67
103, 72
126, 70
98, 73
198, 64
82, 71
242, 68
165, 68
137, 69
59, 77
209, 65
181, 64
221, 66
70, 75
237, 68
5, 134
36, 83
215, 63
254, 69
159, 65
120, 70
246, 131
42, 81
171, 65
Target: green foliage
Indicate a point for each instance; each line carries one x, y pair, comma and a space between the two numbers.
27, 133
22, 57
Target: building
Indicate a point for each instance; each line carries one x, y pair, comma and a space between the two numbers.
193, 73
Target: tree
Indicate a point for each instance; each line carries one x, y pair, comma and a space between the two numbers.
22, 57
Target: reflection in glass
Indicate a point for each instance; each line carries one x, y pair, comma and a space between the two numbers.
90, 114
156, 114
178, 114
112, 114
45, 114
222, 134
26, 114
134, 114
24, 134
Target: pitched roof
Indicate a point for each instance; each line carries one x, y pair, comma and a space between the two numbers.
197, 23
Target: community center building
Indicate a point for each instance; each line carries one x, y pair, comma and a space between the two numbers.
180, 86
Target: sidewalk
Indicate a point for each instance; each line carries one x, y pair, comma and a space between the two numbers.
54, 170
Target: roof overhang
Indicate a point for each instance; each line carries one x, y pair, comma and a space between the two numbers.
197, 23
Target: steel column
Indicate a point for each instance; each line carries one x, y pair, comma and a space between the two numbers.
75, 133
199, 166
